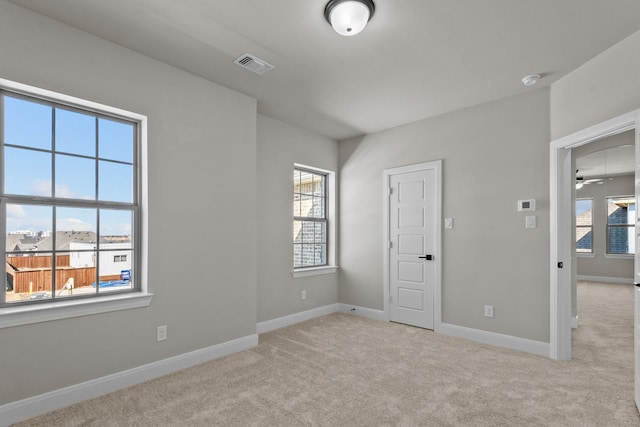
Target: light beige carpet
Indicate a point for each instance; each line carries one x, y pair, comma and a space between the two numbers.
342, 370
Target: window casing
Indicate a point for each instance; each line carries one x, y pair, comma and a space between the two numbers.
584, 225
621, 217
310, 224
70, 200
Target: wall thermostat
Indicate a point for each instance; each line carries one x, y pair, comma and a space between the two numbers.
526, 205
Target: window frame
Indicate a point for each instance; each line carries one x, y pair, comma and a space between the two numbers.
590, 226
631, 226
15, 314
329, 219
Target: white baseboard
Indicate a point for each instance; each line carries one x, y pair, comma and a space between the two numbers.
605, 279
36, 405
292, 319
574, 322
363, 311
492, 338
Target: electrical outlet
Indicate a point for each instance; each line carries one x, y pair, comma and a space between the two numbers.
303, 295
488, 311
161, 333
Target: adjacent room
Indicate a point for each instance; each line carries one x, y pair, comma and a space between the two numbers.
319, 212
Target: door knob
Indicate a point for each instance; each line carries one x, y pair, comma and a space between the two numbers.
427, 257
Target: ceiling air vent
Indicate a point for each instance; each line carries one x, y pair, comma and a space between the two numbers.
254, 64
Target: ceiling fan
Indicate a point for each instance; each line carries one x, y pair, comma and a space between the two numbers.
580, 181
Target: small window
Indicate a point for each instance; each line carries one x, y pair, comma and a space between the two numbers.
584, 226
621, 217
309, 219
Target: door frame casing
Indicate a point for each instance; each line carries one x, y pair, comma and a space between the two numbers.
436, 166
560, 198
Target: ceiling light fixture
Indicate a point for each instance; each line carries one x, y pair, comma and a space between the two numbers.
349, 17
530, 80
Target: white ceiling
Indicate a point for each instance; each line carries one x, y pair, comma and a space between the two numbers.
609, 162
416, 58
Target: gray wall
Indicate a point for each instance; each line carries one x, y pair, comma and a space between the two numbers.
202, 209
494, 154
603, 88
280, 146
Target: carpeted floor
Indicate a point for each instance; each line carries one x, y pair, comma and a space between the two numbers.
342, 370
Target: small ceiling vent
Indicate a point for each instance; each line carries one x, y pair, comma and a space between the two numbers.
254, 64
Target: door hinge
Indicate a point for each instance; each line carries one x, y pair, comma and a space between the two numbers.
390, 244
390, 190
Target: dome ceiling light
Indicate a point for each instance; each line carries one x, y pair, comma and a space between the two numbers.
349, 17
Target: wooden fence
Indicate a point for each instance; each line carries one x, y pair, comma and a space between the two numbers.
33, 273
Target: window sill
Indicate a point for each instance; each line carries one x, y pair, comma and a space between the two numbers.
585, 255
25, 315
619, 256
316, 271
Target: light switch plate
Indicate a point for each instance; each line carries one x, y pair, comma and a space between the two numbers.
530, 221
448, 223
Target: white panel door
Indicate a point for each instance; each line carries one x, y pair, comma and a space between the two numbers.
412, 226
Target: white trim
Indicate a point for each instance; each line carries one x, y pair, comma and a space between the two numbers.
561, 185
585, 255
574, 322
499, 340
36, 313
292, 319
605, 279
314, 271
619, 256
369, 313
33, 406
332, 219
436, 165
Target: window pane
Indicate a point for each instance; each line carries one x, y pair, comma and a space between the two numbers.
584, 212
584, 239
116, 228
75, 133
28, 226
318, 207
75, 228
115, 182
296, 181
296, 205
297, 231
297, 256
620, 211
75, 273
306, 206
75, 177
620, 240
306, 183
27, 172
28, 277
318, 185
115, 140
27, 123
308, 230
308, 255
115, 265
320, 252
320, 232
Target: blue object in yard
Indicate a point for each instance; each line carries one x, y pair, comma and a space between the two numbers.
111, 283
125, 275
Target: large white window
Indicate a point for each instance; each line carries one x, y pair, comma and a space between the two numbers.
70, 198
